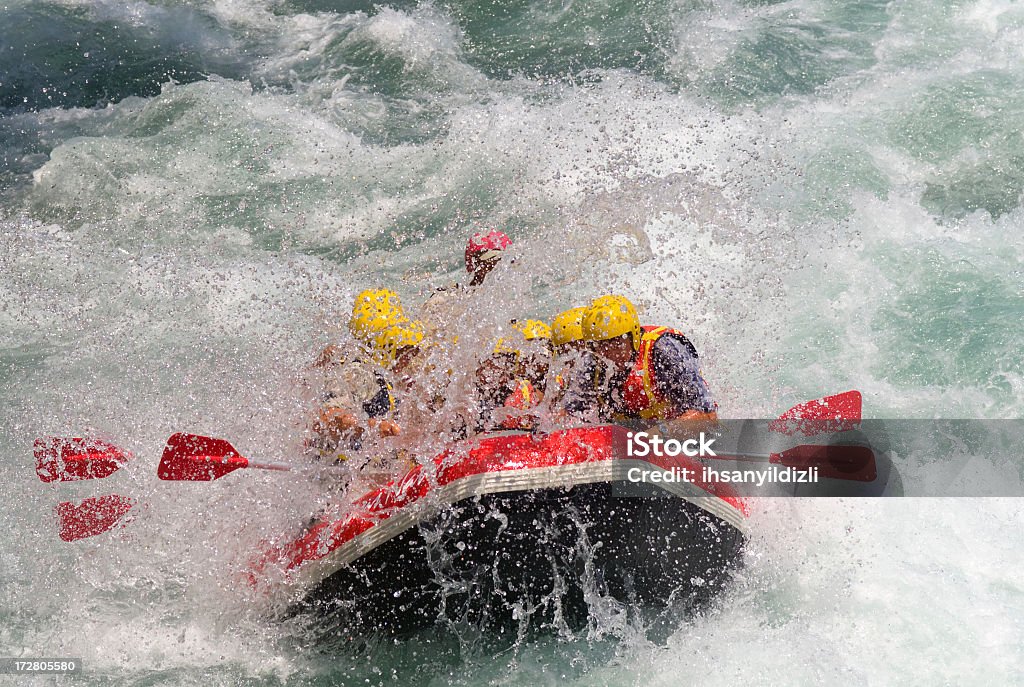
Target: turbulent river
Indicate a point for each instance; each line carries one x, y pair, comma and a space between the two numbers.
823, 194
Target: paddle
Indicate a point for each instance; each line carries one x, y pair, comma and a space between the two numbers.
195, 458
92, 516
836, 413
71, 459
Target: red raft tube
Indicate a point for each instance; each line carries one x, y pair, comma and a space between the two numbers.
509, 528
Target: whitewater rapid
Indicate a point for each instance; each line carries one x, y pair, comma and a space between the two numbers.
822, 195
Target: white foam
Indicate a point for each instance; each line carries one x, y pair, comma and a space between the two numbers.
155, 303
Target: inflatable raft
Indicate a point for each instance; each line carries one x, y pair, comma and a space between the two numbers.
510, 528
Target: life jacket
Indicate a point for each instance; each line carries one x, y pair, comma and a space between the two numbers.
524, 397
640, 395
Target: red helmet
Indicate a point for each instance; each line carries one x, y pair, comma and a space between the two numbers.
483, 247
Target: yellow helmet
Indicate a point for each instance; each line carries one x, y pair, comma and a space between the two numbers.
373, 311
533, 329
397, 336
610, 316
567, 326
381, 299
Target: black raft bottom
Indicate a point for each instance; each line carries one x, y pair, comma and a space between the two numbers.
540, 558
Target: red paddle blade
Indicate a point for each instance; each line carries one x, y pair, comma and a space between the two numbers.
856, 463
837, 413
196, 458
71, 459
92, 516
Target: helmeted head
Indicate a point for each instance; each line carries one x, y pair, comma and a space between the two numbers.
373, 311
535, 350
567, 328
535, 339
613, 328
609, 317
483, 251
526, 354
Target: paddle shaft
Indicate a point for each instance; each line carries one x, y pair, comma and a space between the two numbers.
276, 466
747, 457
289, 467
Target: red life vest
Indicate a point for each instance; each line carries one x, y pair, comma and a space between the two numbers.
640, 394
523, 398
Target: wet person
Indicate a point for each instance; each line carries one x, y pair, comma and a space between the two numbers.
643, 372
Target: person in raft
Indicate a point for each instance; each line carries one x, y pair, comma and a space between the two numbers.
510, 381
484, 251
640, 372
572, 363
358, 395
